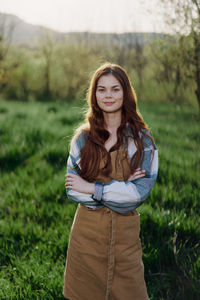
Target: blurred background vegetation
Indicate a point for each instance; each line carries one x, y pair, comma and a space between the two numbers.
44, 76
47, 65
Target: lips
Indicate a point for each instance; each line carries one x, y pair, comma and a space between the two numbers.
109, 103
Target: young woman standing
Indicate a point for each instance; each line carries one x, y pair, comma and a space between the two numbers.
111, 169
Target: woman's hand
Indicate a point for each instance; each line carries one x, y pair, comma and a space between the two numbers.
77, 183
137, 174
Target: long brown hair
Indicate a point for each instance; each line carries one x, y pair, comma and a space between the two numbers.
96, 134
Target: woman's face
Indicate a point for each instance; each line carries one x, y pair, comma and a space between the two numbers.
109, 94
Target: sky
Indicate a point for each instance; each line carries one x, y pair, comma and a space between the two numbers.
89, 15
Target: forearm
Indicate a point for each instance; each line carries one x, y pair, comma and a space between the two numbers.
87, 189
78, 184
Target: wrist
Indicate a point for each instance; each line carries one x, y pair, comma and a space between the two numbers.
91, 188
98, 191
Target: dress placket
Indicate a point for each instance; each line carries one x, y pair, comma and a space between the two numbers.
111, 253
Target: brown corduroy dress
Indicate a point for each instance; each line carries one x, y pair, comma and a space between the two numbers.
104, 257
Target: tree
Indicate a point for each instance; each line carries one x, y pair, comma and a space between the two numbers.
46, 45
183, 18
168, 56
6, 31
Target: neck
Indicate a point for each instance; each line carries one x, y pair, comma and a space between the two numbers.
112, 120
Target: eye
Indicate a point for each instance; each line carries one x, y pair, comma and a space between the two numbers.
116, 90
100, 90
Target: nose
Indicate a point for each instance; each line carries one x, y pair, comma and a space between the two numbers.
108, 94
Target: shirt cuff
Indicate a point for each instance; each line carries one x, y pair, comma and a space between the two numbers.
98, 191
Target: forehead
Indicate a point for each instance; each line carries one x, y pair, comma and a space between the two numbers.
108, 80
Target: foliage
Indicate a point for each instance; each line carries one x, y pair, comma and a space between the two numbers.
36, 217
161, 70
183, 19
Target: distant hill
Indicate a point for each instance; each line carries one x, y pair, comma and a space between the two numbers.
20, 32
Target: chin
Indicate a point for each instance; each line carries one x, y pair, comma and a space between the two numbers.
111, 110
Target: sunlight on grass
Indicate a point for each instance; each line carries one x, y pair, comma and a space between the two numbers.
36, 216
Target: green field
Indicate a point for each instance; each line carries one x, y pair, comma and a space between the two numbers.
36, 216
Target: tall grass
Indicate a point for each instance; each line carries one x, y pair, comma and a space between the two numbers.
36, 216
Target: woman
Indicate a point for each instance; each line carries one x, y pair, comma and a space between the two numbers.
111, 169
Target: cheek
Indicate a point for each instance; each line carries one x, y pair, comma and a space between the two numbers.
98, 100
99, 97
120, 97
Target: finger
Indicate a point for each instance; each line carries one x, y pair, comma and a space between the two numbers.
139, 176
68, 184
72, 176
68, 181
69, 175
138, 173
138, 170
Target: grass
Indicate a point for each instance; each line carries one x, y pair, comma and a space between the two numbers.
36, 216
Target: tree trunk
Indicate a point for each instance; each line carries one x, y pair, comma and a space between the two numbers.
197, 66
177, 80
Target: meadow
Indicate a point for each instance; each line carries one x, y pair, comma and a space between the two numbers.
36, 216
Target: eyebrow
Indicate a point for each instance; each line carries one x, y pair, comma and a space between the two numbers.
101, 86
